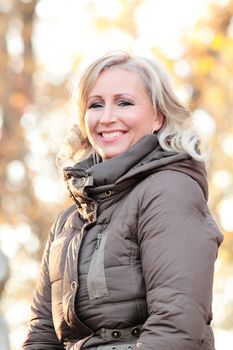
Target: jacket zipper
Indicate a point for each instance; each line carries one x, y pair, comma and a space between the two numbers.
73, 313
99, 236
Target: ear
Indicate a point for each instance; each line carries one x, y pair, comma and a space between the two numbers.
158, 120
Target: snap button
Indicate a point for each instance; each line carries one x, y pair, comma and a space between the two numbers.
116, 334
82, 181
91, 219
73, 285
65, 341
93, 205
108, 193
135, 331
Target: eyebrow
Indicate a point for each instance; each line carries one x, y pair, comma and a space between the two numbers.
116, 95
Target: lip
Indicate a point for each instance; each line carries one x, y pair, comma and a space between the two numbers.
111, 139
101, 131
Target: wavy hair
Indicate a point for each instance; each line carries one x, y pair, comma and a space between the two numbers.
177, 132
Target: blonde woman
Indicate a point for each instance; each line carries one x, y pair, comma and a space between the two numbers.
130, 264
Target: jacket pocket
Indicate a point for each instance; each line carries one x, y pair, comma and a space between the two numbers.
56, 259
96, 281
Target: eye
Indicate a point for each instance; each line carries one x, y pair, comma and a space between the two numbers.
125, 103
95, 105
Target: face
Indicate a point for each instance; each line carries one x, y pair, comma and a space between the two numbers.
119, 113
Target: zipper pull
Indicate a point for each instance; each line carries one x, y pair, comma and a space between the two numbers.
98, 240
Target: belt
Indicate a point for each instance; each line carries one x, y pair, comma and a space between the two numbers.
125, 334
128, 346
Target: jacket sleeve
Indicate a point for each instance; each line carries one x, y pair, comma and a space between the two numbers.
41, 334
178, 244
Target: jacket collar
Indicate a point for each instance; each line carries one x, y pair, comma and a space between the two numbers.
143, 158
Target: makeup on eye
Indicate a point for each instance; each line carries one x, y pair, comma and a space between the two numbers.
95, 105
125, 103
121, 103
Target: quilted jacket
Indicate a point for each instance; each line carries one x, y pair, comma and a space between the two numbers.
135, 251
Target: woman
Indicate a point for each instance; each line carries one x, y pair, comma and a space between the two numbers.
129, 265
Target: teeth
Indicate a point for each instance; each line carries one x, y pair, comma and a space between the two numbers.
112, 134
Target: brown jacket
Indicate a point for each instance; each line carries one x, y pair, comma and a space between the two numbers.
137, 248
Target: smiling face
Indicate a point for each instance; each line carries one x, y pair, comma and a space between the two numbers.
119, 112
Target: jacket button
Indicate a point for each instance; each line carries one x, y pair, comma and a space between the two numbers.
116, 334
73, 285
82, 181
108, 193
91, 219
93, 206
135, 331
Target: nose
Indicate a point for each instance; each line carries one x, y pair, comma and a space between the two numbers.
109, 115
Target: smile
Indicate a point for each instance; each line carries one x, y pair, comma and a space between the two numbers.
111, 135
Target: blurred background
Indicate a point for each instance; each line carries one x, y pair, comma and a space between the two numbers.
43, 46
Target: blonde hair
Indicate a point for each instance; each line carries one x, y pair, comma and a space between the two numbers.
176, 134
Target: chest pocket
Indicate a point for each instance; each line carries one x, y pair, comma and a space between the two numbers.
96, 281
57, 258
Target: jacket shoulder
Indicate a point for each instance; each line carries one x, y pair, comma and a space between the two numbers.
172, 183
64, 220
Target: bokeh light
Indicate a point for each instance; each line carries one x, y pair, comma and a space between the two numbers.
44, 46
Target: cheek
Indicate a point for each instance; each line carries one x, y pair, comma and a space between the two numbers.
90, 123
143, 124
85, 117
87, 121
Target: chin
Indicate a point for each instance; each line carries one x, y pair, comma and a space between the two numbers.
109, 155
111, 152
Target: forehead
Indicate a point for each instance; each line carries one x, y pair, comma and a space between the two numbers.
118, 78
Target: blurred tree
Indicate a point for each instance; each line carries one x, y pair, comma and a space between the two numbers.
31, 104
4, 274
15, 95
124, 20
24, 219
206, 77
22, 103
29, 99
